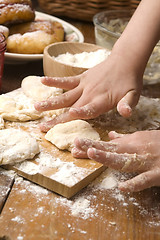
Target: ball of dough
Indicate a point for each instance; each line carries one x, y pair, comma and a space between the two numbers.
62, 135
17, 108
33, 88
16, 146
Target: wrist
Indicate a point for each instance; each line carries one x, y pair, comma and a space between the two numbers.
124, 52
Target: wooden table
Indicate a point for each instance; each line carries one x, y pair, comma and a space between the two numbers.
29, 212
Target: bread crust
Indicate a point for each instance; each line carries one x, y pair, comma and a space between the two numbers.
33, 37
16, 11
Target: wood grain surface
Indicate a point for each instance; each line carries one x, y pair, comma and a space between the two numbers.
6, 182
35, 213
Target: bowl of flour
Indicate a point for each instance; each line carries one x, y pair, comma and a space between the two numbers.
69, 59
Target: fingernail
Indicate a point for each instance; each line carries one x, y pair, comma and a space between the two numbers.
92, 153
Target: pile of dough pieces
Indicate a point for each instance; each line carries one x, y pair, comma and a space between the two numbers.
17, 145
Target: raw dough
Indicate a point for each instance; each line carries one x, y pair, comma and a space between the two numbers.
33, 88
62, 135
1, 123
16, 146
15, 106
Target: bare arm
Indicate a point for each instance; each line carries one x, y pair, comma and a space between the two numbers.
100, 88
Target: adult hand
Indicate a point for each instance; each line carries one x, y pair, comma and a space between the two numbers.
114, 82
138, 152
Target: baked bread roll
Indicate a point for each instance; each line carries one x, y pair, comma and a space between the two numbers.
16, 11
4, 30
33, 37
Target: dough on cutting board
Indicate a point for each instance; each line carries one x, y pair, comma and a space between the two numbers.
62, 135
33, 88
15, 106
1, 123
16, 145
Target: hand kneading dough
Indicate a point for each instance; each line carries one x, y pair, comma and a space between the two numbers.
62, 135
16, 146
33, 88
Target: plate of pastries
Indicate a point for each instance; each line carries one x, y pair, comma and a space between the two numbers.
28, 32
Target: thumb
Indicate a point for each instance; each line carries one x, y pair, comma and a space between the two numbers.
141, 181
125, 105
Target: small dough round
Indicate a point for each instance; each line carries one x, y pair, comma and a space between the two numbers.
33, 88
62, 135
17, 108
16, 145
1, 123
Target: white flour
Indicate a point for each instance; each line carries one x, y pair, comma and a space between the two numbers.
67, 173
84, 59
145, 116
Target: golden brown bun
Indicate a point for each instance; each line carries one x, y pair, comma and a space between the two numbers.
16, 11
4, 30
33, 37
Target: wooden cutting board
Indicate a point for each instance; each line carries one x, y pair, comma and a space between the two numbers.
82, 171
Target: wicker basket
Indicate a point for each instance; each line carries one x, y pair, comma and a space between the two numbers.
84, 9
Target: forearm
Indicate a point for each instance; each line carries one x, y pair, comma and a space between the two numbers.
141, 35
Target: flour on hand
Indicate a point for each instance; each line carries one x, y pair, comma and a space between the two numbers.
33, 88
16, 146
62, 135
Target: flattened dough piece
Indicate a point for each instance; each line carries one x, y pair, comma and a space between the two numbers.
33, 88
16, 146
17, 107
1, 123
62, 135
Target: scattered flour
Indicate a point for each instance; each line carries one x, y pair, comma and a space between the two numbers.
145, 116
82, 206
18, 219
66, 172
27, 167
69, 174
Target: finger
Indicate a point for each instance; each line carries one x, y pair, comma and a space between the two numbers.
141, 182
113, 135
65, 100
64, 117
85, 144
87, 111
78, 153
125, 105
119, 161
61, 82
